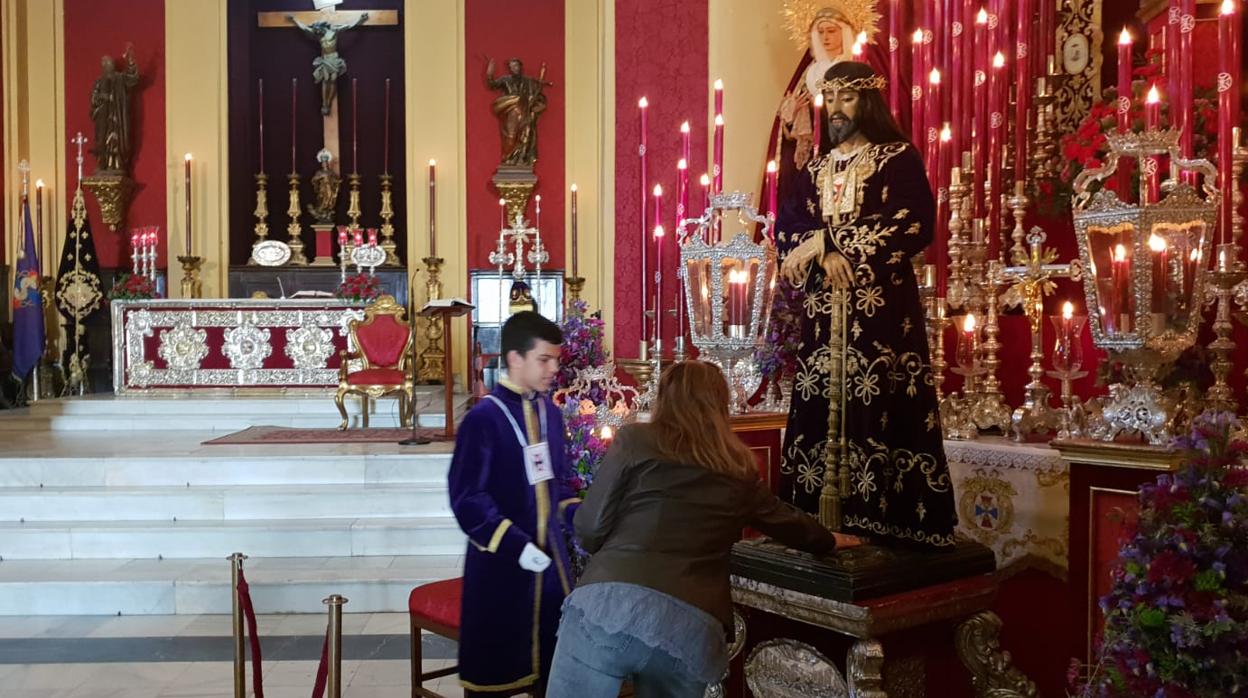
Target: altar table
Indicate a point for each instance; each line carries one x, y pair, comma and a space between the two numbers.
229, 344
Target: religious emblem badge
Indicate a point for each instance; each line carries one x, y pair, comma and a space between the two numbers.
986, 505
183, 347
309, 346
370, 256
271, 253
246, 346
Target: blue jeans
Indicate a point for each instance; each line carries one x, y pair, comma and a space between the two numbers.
590, 663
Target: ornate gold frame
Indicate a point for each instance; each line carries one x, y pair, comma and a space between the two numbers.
384, 305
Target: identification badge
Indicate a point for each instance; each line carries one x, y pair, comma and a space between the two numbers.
537, 463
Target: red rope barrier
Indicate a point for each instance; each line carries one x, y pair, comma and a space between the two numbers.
322, 671
249, 612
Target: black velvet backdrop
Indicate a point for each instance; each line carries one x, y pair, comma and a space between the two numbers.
372, 53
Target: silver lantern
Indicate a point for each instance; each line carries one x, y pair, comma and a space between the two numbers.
1145, 275
729, 282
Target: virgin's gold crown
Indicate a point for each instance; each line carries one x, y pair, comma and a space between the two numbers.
799, 15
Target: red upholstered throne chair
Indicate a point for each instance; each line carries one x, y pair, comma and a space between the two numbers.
433, 607
383, 343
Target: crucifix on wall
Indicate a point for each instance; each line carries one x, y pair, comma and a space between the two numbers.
326, 27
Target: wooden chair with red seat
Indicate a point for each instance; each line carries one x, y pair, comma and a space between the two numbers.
383, 342
433, 607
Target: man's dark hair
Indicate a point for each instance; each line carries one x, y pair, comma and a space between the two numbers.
873, 118
522, 331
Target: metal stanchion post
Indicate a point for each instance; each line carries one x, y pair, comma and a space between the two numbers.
240, 658
335, 603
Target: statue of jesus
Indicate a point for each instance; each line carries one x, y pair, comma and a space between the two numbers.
329, 66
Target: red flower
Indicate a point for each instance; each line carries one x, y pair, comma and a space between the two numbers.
1169, 567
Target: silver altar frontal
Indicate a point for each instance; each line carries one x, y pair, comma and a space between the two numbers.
229, 345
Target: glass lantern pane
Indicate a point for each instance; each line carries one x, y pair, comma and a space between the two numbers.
699, 297
736, 314
1177, 254
1110, 249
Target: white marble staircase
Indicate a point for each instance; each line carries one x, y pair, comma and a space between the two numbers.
139, 518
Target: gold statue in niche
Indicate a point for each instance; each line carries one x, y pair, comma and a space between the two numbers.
110, 111
517, 109
325, 185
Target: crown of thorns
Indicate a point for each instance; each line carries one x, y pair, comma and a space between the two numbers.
875, 82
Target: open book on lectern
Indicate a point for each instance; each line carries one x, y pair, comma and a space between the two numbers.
446, 303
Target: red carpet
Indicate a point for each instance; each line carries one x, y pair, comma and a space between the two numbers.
290, 435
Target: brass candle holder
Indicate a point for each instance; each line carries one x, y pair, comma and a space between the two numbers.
991, 412
387, 227
1018, 206
574, 284
262, 215
432, 356
295, 230
937, 320
353, 201
1228, 272
192, 287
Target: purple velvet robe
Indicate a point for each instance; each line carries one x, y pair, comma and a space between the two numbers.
899, 478
509, 615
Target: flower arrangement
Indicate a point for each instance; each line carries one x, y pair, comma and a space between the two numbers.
1176, 618
1087, 147
582, 344
133, 287
777, 356
359, 288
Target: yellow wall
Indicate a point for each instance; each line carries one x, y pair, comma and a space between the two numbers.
750, 51
589, 35
196, 122
34, 117
434, 68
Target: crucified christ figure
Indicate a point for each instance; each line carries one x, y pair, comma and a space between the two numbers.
329, 66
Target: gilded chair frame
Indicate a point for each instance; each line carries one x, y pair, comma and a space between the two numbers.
385, 305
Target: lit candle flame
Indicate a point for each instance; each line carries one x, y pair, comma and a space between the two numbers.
187, 157
719, 84
658, 190
684, 127
862, 38
1068, 310
705, 180
502, 202
771, 166
946, 135
934, 78
682, 164
432, 162
1120, 253
643, 102
1228, 7
1156, 243
998, 61
917, 37
1124, 39
1153, 95
607, 433
1194, 256
574, 186
982, 16
819, 101
719, 119
658, 231
38, 184
968, 323
856, 49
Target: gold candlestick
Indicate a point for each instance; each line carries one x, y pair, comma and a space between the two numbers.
432, 356
936, 323
262, 215
990, 409
1238, 159
575, 285
1228, 272
192, 287
353, 202
294, 229
387, 228
1018, 204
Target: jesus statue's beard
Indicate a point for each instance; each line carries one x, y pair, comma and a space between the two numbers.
840, 129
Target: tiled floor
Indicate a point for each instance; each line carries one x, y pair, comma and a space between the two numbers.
364, 635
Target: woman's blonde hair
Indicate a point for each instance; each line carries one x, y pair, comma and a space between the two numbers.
690, 421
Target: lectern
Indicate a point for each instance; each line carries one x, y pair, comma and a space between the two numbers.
447, 309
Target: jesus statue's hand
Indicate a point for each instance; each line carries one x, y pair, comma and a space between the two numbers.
797, 263
837, 272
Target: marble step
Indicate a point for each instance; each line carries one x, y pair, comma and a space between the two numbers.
372, 584
233, 503
177, 459
330, 537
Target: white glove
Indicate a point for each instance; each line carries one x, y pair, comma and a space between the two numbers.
533, 559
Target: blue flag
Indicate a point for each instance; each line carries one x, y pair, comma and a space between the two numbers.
28, 337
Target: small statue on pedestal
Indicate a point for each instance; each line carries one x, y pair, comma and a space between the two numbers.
325, 185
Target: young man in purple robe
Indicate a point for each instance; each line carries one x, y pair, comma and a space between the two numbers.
509, 488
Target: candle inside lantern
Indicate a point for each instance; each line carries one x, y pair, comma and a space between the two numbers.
372, 237
1158, 246
1121, 287
967, 342
342, 237
359, 238
737, 280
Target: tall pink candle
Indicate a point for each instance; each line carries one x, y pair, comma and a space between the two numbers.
918, 80
932, 121
964, 113
658, 268
187, 159
772, 180
294, 89
705, 182
816, 107
355, 120
894, 57
574, 236
1174, 15
1023, 87
1124, 108
1152, 166
941, 248
997, 87
956, 83
682, 194
1184, 120
980, 138
433, 206
643, 106
717, 168
385, 133
1229, 26
261, 125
